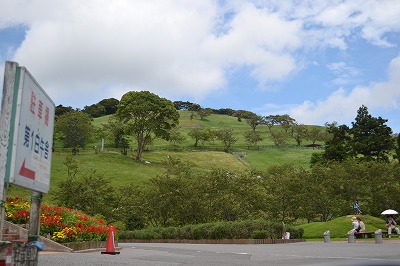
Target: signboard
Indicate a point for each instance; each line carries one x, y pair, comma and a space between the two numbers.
31, 134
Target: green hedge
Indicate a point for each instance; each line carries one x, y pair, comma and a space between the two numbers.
248, 229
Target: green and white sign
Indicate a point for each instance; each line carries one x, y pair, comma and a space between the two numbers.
31, 134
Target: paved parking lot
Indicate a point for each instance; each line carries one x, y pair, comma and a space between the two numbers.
304, 253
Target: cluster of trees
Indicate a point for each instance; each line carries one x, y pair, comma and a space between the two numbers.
369, 139
102, 108
282, 193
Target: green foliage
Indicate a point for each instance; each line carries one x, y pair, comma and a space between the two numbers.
299, 132
368, 139
176, 137
203, 113
244, 229
102, 108
338, 147
397, 148
253, 137
227, 137
75, 129
145, 114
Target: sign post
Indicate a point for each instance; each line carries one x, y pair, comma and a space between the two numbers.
27, 136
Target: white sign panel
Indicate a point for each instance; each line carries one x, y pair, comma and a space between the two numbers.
31, 135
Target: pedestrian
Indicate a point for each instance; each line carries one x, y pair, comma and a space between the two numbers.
356, 208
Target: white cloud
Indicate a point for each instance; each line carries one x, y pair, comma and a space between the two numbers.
96, 49
342, 107
344, 73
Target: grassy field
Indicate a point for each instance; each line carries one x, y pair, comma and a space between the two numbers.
120, 169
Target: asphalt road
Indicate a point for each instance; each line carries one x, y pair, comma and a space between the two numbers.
304, 253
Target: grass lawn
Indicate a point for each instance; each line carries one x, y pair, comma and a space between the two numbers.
340, 226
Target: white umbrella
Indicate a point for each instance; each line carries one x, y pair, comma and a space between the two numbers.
389, 212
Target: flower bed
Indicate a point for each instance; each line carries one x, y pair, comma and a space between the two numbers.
62, 224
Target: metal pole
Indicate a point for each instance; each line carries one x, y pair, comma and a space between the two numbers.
34, 220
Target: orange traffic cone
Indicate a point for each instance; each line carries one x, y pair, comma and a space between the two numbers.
110, 248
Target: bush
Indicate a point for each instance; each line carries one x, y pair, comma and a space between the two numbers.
256, 229
260, 234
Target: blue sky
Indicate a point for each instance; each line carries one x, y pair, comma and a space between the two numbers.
317, 61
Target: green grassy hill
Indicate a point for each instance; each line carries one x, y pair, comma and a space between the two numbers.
339, 227
120, 169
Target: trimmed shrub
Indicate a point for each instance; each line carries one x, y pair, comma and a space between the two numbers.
256, 229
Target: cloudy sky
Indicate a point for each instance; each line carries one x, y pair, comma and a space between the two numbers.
316, 60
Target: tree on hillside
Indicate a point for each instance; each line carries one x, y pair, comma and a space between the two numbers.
175, 136
315, 134
371, 137
145, 114
227, 136
195, 133
299, 133
204, 112
338, 147
252, 137
279, 137
397, 149
110, 105
286, 122
60, 110
94, 110
254, 121
115, 130
270, 121
74, 129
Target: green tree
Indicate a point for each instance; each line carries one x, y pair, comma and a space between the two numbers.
284, 191
110, 105
90, 192
60, 110
195, 133
371, 137
397, 149
254, 121
227, 136
286, 122
75, 129
115, 130
175, 136
145, 114
338, 147
207, 135
94, 110
279, 137
270, 121
204, 112
299, 133
315, 134
252, 137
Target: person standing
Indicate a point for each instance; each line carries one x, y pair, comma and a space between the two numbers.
356, 208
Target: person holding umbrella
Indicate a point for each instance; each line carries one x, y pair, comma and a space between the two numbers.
391, 225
